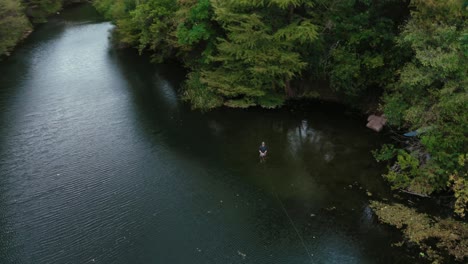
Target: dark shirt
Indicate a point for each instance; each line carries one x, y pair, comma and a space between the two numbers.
263, 149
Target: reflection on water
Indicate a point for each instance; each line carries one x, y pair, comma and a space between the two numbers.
102, 163
305, 137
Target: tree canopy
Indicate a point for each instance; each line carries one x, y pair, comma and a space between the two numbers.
13, 25
430, 93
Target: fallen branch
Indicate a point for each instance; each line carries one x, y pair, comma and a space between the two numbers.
413, 193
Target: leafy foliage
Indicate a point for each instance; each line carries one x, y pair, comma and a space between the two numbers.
196, 26
387, 152
148, 27
199, 95
255, 58
13, 25
235, 49
458, 183
431, 90
195, 32
251, 60
451, 236
115, 9
361, 35
38, 10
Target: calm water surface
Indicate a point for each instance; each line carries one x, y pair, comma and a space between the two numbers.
100, 162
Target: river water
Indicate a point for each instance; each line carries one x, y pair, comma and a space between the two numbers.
100, 162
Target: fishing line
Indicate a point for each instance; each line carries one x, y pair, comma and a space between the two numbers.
289, 217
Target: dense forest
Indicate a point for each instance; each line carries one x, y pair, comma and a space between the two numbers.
409, 56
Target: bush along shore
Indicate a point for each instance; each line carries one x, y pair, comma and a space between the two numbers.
438, 239
17, 19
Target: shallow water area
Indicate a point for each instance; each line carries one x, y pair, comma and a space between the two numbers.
100, 162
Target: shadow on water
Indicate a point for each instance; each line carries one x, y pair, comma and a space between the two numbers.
161, 113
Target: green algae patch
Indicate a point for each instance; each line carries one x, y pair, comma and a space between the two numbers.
435, 236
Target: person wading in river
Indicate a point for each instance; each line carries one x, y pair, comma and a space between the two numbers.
263, 151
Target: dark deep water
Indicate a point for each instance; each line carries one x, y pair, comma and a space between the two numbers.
100, 162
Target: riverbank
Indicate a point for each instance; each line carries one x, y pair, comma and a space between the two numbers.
18, 19
438, 239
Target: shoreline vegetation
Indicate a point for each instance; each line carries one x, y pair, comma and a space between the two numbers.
18, 18
436, 238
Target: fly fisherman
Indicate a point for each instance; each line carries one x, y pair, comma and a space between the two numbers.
262, 150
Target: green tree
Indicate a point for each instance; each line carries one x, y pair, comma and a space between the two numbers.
13, 25
431, 92
358, 51
115, 9
146, 25
196, 32
257, 59
38, 10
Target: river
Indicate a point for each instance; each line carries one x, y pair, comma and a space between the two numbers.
100, 162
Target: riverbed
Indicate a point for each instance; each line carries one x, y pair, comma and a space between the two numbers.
101, 162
